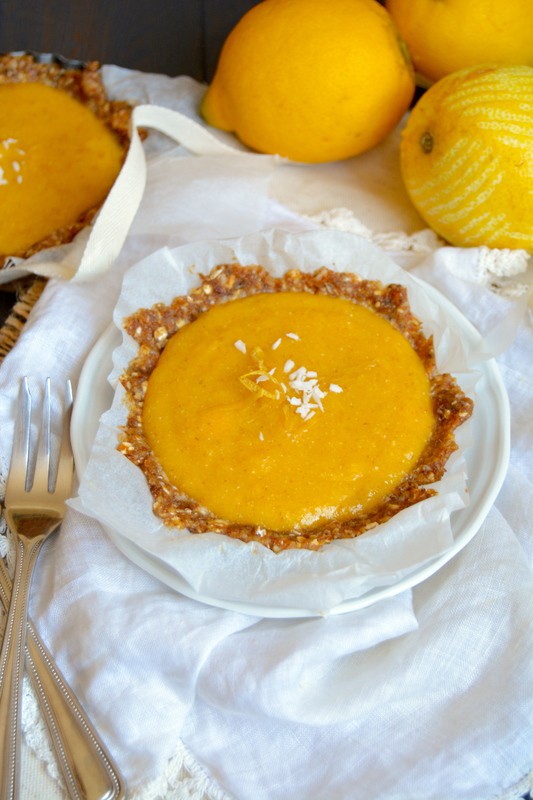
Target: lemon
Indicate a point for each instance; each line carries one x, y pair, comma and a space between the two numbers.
444, 36
467, 157
311, 80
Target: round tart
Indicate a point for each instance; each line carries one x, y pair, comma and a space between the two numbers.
291, 411
62, 145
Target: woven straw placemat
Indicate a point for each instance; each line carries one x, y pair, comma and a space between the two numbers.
27, 292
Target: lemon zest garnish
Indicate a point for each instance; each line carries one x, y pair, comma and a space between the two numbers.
251, 380
303, 382
258, 356
253, 385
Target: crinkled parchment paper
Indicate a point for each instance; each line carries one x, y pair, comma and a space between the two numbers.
223, 569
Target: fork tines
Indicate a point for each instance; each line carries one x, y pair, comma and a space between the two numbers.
41, 471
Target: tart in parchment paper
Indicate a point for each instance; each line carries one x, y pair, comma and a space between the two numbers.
62, 144
291, 411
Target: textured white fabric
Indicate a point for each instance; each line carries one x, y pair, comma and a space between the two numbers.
428, 695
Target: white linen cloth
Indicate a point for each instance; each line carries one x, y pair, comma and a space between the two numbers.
427, 695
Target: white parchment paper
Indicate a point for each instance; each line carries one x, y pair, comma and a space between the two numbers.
222, 569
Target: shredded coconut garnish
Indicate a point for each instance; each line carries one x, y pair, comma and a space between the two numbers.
16, 166
309, 395
8, 142
288, 365
293, 336
303, 392
276, 344
262, 436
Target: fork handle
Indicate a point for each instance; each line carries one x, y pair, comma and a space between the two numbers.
12, 665
87, 768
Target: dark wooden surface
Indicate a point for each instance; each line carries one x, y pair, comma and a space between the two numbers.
174, 37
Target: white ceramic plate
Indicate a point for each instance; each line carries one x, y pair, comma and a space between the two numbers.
487, 460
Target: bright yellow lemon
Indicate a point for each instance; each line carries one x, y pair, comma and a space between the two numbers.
312, 80
444, 36
467, 157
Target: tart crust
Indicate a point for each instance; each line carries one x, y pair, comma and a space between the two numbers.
152, 327
85, 85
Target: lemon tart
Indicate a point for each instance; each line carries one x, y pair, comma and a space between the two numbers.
291, 411
62, 145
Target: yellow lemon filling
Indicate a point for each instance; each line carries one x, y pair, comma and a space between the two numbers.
57, 160
287, 410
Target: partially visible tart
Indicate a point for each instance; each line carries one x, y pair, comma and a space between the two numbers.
62, 145
292, 411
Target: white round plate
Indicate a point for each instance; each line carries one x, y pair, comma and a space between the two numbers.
487, 460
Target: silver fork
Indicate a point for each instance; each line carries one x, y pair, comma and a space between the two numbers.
34, 509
